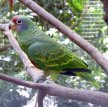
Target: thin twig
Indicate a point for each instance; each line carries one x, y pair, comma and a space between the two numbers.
4, 48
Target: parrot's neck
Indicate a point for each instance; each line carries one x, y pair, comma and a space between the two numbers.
31, 35
27, 33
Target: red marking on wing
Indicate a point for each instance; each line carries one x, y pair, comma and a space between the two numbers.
34, 63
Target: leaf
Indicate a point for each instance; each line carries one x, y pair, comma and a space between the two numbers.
76, 5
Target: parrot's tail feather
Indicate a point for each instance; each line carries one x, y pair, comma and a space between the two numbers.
89, 77
71, 72
84, 74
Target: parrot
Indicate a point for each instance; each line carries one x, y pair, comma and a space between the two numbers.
47, 54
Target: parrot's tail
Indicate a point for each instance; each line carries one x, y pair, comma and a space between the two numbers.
84, 74
89, 77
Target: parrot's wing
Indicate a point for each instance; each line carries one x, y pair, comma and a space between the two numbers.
54, 56
57, 59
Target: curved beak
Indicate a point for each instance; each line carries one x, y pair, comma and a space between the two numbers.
12, 25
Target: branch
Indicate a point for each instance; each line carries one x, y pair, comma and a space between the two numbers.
105, 7
4, 48
40, 97
53, 89
90, 49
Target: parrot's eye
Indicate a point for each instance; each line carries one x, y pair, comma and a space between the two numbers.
18, 21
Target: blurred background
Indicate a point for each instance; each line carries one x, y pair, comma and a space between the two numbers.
84, 17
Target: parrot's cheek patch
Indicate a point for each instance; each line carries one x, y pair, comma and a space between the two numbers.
13, 27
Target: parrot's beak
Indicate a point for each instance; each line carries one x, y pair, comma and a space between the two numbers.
12, 25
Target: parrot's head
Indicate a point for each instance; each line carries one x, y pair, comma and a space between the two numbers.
20, 23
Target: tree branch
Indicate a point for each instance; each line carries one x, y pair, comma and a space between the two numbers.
53, 89
90, 49
105, 7
40, 97
4, 48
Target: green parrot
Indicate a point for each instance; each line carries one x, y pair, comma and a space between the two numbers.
47, 54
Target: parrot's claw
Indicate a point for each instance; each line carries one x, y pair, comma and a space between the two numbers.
49, 78
41, 80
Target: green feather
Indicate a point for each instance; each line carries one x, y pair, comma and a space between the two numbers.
90, 78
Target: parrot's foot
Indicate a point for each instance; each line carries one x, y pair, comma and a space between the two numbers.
41, 80
46, 79
49, 78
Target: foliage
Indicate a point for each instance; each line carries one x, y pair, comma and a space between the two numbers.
76, 5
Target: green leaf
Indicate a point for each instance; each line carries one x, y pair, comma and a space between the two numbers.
76, 5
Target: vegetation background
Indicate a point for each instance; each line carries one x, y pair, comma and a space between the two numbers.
84, 17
